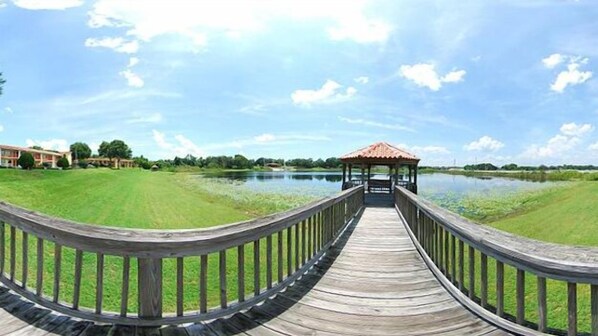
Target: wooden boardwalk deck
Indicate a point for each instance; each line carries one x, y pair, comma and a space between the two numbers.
372, 282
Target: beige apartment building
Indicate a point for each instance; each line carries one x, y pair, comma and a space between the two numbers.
10, 154
106, 162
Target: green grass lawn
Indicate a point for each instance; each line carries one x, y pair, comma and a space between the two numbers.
138, 199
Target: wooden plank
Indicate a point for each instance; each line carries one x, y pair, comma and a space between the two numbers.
471, 289
203, 283
303, 243
57, 269
241, 273
124, 296
542, 317
483, 280
77, 280
99, 282
594, 309
280, 258
572, 308
256, 268
149, 280
222, 268
500, 288
40, 268
309, 250
25, 259
446, 254
520, 293
13, 252
180, 288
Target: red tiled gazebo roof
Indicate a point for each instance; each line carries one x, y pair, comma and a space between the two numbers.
380, 153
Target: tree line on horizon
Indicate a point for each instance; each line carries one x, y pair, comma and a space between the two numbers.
514, 167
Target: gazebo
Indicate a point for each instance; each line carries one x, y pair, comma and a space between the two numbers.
380, 154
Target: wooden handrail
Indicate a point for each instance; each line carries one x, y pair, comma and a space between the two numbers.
309, 229
442, 235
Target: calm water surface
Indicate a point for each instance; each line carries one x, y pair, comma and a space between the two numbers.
433, 186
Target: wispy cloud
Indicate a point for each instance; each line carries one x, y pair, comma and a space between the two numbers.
330, 92
55, 144
425, 75
372, 123
47, 4
151, 118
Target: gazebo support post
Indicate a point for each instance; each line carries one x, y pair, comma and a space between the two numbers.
369, 175
415, 180
344, 176
350, 173
362, 174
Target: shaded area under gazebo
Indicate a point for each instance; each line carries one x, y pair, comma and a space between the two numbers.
380, 154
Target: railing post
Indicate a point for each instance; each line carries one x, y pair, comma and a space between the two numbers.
150, 287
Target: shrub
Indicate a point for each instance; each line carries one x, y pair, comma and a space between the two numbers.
63, 162
83, 164
47, 165
26, 161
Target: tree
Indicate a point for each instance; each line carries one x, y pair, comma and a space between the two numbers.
103, 149
118, 149
2, 81
80, 151
26, 161
36, 147
63, 162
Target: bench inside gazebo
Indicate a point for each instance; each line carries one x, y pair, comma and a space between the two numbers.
380, 154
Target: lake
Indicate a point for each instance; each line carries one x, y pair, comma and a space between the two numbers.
436, 187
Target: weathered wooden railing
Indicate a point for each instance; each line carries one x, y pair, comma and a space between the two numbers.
457, 251
293, 240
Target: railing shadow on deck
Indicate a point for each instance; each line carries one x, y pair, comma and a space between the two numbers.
45, 319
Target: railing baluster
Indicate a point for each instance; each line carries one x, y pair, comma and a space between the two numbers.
483, 280
461, 265
180, 289
149, 283
99, 282
289, 251
222, 268
124, 295
309, 238
241, 272
542, 318
279, 258
2, 248
13, 252
269, 262
40, 267
471, 253
25, 261
256, 267
594, 308
77, 285
572, 308
500, 288
303, 252
297, 246
453, 259
57, 267
446, 253
203, 283
520, 317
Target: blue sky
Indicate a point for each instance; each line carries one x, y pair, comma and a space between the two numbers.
498, 81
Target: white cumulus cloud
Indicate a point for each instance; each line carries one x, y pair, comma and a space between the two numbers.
571, 76
330, 92
425, 75
429, 149
47, 4
55, 144
484, 143
133, 61
593, 147
570, 136
183, 147
117, 44
132, 78
553, 60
